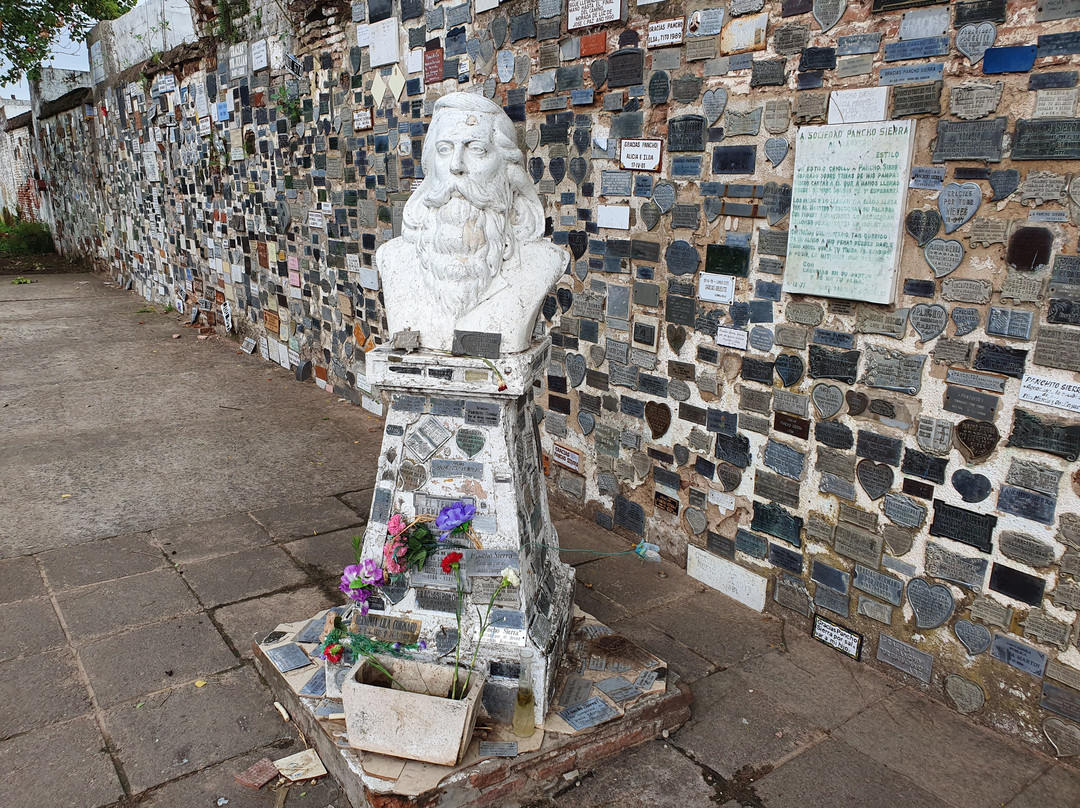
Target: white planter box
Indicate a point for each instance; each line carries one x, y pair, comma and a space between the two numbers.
420, 722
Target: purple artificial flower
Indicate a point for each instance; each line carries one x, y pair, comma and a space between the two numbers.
370, 572
422, 645
454, 516
352, 573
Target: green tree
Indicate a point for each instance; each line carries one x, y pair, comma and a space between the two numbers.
28, 29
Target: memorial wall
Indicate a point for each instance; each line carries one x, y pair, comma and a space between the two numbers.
821, 334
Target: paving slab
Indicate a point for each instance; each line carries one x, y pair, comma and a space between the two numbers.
212, 537
30, 626
61, 765
307, 518
20, 579
359, 501
97, 561
816, 682
650, 775
242, 622
591, 600
637, 585
227, 579
39, 690
718, 628
326, 555
970, 766
110, 606
189, 728
581, 541
217, 782
832, 773
736, 727
131, 664
1056, 786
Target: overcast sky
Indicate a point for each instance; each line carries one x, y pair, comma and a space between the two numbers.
65, 53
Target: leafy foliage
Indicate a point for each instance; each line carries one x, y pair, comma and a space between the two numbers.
26, 238
28, 29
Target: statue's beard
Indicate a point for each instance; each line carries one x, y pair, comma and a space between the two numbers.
461, 241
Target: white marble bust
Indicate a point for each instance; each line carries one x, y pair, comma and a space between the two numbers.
471, 255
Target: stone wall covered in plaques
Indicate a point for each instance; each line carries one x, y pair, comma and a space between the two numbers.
875, 435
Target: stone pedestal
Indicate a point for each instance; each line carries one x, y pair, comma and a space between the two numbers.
462, 428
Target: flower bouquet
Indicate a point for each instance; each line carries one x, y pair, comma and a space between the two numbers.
410, 543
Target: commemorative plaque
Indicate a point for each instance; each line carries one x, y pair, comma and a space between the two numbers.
960, 569
1050, 139
975, 140
962, 525
1000, 359
932, 604
1032, 432
776, 521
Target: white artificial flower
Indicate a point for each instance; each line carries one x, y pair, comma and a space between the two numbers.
511, 577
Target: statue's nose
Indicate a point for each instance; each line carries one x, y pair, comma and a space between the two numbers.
457, 163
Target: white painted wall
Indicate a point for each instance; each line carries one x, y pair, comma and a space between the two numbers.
152, 27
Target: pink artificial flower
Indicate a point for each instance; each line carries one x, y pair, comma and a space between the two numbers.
394, 556
396, 525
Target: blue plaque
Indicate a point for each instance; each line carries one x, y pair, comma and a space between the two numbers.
1010, 59
1020, 656
582, 97
751, 544
643, 186
685, 166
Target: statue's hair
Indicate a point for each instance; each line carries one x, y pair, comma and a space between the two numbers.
526, 216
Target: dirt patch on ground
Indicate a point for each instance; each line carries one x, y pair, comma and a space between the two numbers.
36, 264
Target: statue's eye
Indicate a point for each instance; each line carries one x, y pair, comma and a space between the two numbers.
478, 149
444, 147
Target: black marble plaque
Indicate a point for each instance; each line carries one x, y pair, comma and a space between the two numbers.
735, 449
687, 133
970, 140
920, 464
625, 67
1047, 139
962, 525
1000, 359
1032, 432
827, 364
834, 434
734, 159
768, 72
979, 11
786, 559
1017, 584
757, 370
879, 448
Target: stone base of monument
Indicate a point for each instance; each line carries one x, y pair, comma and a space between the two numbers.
610, 695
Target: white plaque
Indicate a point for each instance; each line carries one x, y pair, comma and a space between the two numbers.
1050, 392
728, 577
847, 210
584, 13
640, 155
260, 57
859, 105
614, 216
666, 32
716, 288
385, 42
732, 337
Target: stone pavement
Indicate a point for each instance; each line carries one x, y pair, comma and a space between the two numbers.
212, 496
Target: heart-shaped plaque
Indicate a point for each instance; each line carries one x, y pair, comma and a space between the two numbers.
650, 214
575, 368
740, 313
958, 202
536, 168
504, 65
582, 138
729, 476
597, 353
676, 337
928, 320
565, 298
499, 27
933, 605
975, 39
828, 399
579, 168
581, 270
642, 464
922, 225
1003, 183
522, 66
776, 149
966, 320
587, 421
943, 255
976, 439
598, 72
1064, 737
828, 12
578, 242
974, 636
658, 417
663, 194
965, 694
790, 368
856, 402
549, 307
411, 476
695, 517
489, 87
777, 201
714, 102
557, 168
472, 47
875, 478
470, 441
682, 454
971, 487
